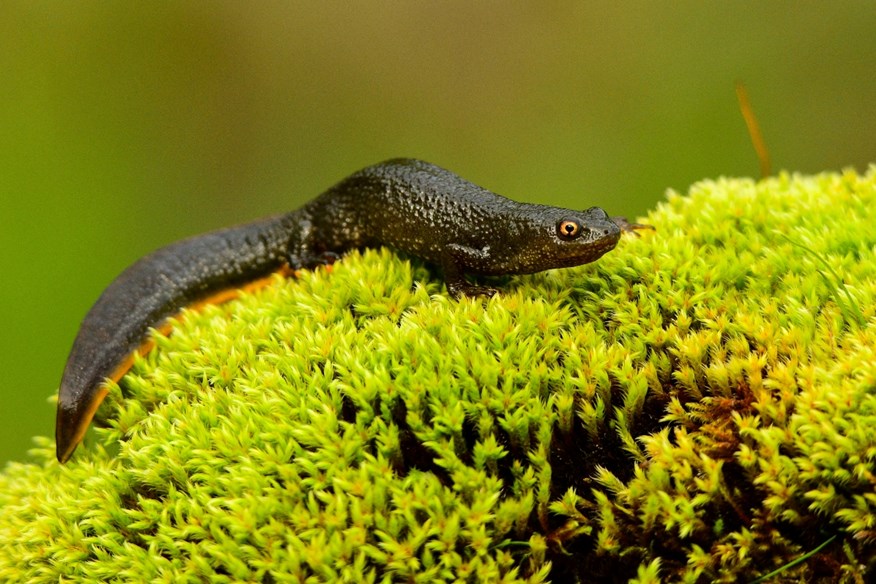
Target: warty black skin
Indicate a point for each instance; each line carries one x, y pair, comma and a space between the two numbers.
410, 205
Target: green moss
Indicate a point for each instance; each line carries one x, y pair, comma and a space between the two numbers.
699, 405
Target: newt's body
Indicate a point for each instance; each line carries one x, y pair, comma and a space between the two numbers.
410, 205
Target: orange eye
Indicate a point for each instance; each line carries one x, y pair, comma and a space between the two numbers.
568, 229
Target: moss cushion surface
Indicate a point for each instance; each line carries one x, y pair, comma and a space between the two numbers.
699, 405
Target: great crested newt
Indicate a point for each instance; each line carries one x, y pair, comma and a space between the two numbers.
410, 205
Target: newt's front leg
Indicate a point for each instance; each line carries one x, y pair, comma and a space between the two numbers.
455, 259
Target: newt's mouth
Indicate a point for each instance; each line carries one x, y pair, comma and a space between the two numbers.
591, 250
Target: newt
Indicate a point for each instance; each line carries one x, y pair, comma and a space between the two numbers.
410, 205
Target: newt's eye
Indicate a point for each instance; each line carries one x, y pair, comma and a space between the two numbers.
569, 229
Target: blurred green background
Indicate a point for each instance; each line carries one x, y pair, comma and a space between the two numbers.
126, 126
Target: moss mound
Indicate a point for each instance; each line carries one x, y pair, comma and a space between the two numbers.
699, 405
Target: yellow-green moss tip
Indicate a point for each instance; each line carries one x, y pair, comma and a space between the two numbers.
697, 406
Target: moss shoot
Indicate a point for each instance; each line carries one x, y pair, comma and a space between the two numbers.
697, 406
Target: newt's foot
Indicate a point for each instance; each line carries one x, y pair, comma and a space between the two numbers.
460, 289
313, 261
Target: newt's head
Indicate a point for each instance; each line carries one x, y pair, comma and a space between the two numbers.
562, 238
585, 237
